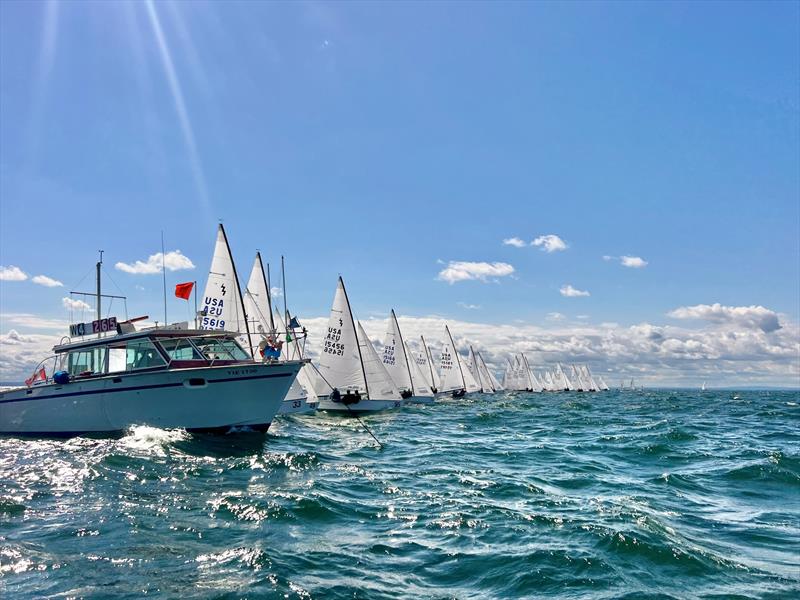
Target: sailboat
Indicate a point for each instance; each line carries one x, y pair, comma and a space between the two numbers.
396, 360
703, 387
350, 366
530, 385
495, 385
480, 376
425, 363
452, 372
262, 325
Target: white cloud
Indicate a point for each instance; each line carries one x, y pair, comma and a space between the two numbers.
514, 241
634, 262
173, 261
30, 321
750, 317
555, 316
72, 304
481, 271
46, 281
469, 306
12, 338
550, 243
275, 292
582, 317
12, 273
570, 292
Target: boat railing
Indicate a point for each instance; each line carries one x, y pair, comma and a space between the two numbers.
43, 364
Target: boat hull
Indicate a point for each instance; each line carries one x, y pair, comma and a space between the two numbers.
205, 398
297, 406
362, 406
419, 400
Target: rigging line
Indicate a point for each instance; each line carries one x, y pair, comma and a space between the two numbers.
75, 287
364, 425
121, 291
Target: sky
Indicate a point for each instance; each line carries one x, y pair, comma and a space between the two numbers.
609, 183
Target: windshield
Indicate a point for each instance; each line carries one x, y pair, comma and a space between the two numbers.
214, 348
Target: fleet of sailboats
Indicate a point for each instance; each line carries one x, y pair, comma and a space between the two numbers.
244, 332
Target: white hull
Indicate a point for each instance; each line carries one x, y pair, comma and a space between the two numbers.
363, 405
297, 406
194, 398
419, 400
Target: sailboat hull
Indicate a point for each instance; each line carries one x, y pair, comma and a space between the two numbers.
420, 400
297, 406
363, 405
207, 398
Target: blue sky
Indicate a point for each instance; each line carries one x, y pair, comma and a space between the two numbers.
382, 141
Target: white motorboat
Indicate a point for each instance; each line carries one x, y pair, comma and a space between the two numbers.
165, 377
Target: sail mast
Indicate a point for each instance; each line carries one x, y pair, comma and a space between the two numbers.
350, 313
428, 358
527, 371
269, 292
475, 365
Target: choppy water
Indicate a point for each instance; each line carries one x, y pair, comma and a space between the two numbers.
667, 494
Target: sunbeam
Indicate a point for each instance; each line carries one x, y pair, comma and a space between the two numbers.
180, 108
44, 67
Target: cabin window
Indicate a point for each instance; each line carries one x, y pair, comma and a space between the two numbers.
89, 361
134, 355
221, 349
180, 349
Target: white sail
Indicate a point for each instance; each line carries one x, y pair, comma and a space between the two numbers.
257, 303
470, 383
474, 370
529, 385
308, 378
418, 379
394, 356
340, 360
487, 381
602, 382
434, 371
223, 307
450, 367
423, 361
379, 383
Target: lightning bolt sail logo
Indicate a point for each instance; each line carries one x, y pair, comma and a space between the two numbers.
222, 288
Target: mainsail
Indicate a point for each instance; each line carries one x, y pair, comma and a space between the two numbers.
450, 367
223, 307
418, 379
379, 382
258, 305
395, 358
340, 361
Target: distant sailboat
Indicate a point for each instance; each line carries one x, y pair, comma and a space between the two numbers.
258, 307
452, 377
396, 360
703, 387
350, 366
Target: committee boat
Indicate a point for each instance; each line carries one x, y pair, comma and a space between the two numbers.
165, 377
355, 377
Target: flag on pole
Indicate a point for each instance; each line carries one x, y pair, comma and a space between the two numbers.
40, 374
184, 290
294, 323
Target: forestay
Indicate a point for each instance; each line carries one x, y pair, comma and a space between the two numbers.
418, 379
450, 367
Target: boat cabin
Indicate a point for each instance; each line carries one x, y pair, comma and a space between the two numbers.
149, 349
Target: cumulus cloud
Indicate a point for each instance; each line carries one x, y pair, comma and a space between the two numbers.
73, 304
173, 261
12, 338
570, 292
634, 262
550, 243
481, 271
750, 317
514, 241
46, 281
275, 292
12, 273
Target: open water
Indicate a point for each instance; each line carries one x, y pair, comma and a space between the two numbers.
619, 494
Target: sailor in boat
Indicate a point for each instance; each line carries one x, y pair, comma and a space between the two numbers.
350, 397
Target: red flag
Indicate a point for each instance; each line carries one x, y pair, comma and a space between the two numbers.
40, 374
184, 290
